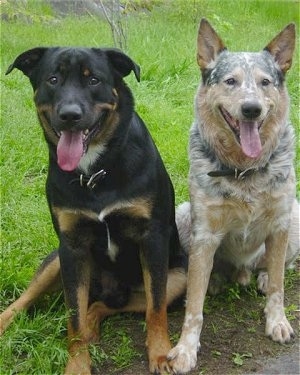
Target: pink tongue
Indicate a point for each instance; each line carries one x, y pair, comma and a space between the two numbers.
250, 140
69, 150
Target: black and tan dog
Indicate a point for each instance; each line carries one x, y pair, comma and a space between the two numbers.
110, 198
243, 212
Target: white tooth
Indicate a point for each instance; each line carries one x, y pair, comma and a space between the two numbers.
86, 132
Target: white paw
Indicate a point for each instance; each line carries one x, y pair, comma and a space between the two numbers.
277, 325
279, 331
182, 359
262, 281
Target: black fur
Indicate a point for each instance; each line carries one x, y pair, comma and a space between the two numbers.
62, 78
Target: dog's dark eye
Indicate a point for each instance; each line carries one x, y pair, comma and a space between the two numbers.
230, 81
94, 81
265, 82
53, 80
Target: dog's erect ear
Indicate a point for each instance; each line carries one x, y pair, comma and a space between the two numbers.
209, 44
122, 63
282, 47
27, 60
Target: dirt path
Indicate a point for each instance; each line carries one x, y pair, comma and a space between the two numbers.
233, 340
287, 364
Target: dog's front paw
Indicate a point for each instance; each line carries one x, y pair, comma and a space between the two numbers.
277, 325
279, 330
157, 355
5, 319
159, 365
79, 362
182, 359
78, 365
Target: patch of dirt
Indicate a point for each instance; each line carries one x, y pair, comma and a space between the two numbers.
232, 340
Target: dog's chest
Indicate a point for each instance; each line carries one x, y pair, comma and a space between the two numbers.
123, 223
247, 224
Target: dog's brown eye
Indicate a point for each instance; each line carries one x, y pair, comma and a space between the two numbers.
53, 80
265, 82
230, 81
94, 81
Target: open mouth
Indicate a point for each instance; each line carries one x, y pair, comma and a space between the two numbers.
73, 144
246, 132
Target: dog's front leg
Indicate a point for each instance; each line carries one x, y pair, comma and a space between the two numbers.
154, 260
75, 270
183, 357
277, 325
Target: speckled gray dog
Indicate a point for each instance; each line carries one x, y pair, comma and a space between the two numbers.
243, 213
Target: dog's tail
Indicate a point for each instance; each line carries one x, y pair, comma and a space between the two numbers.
183, 222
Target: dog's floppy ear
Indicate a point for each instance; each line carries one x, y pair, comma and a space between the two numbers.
27, 60
282, 47
210, 45
122, 63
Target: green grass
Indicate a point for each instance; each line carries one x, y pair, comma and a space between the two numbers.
163, 43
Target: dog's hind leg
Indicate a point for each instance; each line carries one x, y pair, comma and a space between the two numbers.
46, 279
176, 286
292, 252
184, 226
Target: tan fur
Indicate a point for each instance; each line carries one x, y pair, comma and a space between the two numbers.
110, 125
86, 72
41, 111
207, 52
47, 279
157, 337
67, 219
107, 128
138, 207
284, 41
79, 357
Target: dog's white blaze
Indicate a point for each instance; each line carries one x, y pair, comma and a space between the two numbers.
112, 251
90, 157
248, 58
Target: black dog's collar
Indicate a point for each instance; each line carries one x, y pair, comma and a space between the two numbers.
236, 173
90, 181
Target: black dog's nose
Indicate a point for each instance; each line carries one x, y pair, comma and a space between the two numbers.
70, 113
251, 110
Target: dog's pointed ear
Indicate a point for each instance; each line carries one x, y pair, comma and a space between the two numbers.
27, 60
210, 45
122, 63
282, 47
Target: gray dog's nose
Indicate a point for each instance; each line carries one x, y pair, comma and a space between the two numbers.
251, 110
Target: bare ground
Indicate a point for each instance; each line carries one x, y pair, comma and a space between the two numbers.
232, 340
